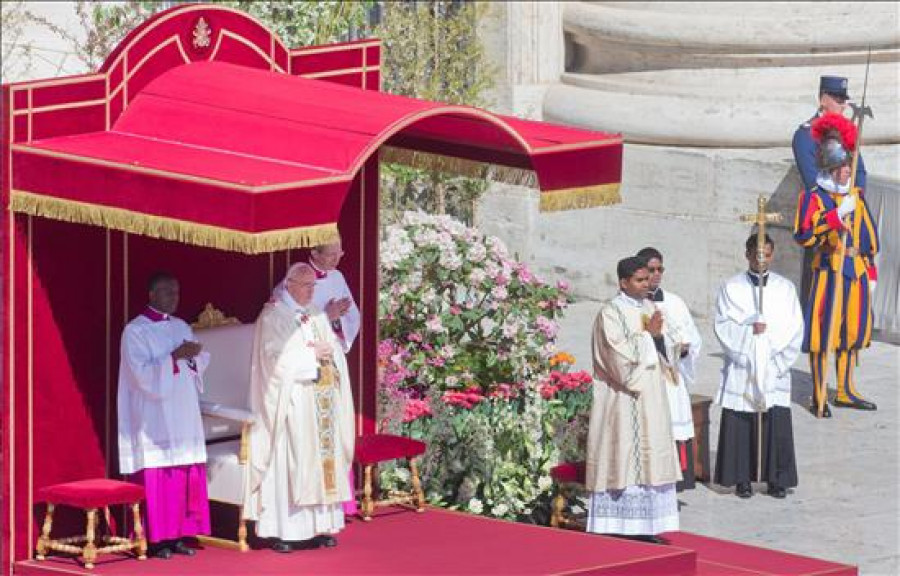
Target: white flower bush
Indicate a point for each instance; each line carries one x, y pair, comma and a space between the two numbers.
469, 365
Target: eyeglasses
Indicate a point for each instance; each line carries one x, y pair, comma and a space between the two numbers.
654, 269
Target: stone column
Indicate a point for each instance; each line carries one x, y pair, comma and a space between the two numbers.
524, 43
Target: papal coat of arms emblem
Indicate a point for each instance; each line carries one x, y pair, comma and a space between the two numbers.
202, 34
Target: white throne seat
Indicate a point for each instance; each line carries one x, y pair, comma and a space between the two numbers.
225, 405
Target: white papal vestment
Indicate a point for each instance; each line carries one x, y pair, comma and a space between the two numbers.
302, 444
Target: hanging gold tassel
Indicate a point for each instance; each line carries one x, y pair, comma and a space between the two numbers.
577, 198
170, 228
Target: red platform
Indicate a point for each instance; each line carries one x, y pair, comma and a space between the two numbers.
445, 542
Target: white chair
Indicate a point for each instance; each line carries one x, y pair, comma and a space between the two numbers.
225, 405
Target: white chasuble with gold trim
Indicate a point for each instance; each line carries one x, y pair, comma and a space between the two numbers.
301, 446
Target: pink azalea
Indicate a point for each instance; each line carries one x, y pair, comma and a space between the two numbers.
415, 409
562, 285
525, 274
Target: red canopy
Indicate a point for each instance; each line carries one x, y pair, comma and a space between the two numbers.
258, 144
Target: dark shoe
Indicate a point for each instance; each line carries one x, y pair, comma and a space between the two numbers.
744, 490
858, 404
776, 491
310, 544
826, 411
181, 548
282, 547
325, 541
161, 551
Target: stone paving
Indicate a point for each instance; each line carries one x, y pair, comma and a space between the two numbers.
847, 505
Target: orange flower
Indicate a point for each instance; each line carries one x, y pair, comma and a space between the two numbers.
562, 358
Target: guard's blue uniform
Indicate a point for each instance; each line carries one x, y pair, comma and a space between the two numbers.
805, 156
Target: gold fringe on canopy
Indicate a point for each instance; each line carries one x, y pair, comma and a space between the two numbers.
170, 228
577, 198
461, 166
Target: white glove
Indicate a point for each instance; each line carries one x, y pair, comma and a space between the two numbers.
872, 284
848, 205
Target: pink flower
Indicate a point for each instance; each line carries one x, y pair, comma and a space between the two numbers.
415, 409
562, 285
455, 310
414, 337
525, 274
548, 327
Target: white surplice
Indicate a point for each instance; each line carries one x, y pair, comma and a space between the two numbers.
757, 370
680, 331
158, 408
334, 287
301, 429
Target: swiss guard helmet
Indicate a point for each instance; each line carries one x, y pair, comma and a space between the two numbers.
832, 154
836, 137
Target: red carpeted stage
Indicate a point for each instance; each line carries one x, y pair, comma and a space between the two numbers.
445, 542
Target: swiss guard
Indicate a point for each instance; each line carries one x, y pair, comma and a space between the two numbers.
838, 312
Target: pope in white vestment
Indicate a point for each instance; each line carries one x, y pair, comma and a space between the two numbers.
760, 350
302, 446
161, 441
632, 466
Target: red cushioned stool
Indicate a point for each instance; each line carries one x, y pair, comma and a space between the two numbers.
375, 448
567, 475
90, 495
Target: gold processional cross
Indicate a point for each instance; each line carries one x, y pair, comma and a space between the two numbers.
760, 218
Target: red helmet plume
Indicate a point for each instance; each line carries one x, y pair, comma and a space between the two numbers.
834, 125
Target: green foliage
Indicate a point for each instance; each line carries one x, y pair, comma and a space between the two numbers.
432, 51
17, 55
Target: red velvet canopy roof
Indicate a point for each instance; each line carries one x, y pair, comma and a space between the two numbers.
275, 155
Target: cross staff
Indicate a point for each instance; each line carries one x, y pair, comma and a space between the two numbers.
760, 218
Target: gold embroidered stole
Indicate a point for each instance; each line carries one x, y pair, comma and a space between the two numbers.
324, 390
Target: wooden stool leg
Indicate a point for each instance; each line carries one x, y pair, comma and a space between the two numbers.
44, 540
242, 533
417, 486
89, 552
140, 540
559, 504
368, 506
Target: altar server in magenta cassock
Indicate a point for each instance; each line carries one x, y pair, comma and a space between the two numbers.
632, 465
682, 349
333, 297
827, 215
161, 442
301, 448
755, 387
